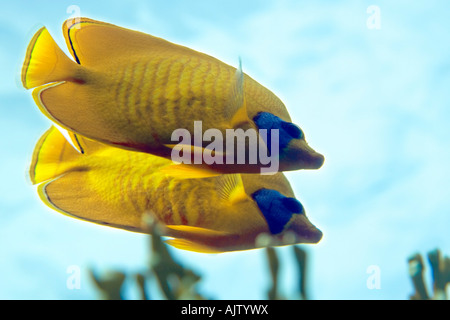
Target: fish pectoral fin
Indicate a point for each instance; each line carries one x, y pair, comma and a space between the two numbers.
197, 231
191, 246
236, 108
191, 150
188, 171
202, 236
231, 188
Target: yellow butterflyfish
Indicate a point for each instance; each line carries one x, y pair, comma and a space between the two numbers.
116, 187
133, 90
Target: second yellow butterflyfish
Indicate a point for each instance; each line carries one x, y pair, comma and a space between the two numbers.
133, 90
116, 187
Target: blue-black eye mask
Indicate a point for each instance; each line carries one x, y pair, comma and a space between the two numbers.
287, 130
276, 208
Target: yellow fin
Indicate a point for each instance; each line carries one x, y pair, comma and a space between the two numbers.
53, 155
71, 194
56, 101
188, 171
45, 62
197, 231
46, 161
231, 188
73, 187
201, 234
86, 37
237, 106
191, 246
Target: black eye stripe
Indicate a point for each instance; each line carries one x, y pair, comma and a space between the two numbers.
292, 130
293, 205
286, 130
276, 208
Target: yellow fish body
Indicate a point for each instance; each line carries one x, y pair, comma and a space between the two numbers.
132, 90
116, 187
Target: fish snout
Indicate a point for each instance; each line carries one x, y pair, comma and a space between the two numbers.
304, 231
299, 155
316, 161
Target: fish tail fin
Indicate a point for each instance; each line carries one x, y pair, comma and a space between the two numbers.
45, 62
52, 157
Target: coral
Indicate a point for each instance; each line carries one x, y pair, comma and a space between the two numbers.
176, 282
440, 268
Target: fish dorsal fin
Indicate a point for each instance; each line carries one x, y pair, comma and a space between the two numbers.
91, 41
231, 188
236, 108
